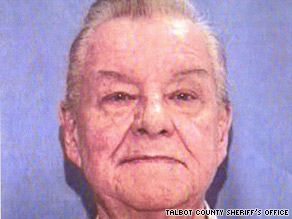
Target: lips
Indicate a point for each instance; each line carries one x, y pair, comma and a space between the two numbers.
151, 159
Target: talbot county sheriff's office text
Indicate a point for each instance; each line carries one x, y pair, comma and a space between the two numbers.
228, 212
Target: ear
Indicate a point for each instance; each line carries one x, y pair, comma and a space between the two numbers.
224, 124
69, 134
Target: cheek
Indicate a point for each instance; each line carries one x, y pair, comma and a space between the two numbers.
199, 135
101, 133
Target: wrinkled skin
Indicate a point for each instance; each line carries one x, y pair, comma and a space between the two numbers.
149, 133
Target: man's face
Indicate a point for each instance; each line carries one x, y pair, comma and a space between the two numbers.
150, 131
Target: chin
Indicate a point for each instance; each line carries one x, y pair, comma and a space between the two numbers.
153, 189
154, 202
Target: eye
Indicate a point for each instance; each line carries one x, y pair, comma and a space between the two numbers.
119, 97
183, 96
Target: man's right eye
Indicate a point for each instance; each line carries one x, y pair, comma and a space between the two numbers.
118, 97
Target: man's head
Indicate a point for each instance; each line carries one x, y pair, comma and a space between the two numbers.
146, 115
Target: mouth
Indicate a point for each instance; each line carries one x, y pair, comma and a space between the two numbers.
151, 159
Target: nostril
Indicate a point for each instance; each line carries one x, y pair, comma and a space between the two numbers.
142, 131
163, 132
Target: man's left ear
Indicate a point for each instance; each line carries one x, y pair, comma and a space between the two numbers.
224, 124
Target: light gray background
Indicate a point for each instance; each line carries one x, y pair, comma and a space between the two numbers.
35, 37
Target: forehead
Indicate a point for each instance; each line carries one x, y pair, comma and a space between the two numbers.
147, 45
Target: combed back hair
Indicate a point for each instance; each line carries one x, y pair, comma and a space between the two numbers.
105, 10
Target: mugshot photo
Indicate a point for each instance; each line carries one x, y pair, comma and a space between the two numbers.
146, 109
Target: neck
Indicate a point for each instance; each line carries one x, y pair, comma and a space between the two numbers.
117, 210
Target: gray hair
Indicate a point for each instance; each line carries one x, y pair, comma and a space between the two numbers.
104, 10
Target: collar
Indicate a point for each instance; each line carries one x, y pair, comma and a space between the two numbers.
207, 207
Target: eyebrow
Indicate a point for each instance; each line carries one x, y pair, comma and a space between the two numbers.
115, 75
199, 71
124, 78
191, 71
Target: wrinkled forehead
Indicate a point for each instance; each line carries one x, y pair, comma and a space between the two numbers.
147, 45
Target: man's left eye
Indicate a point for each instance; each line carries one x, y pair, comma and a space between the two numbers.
182, 96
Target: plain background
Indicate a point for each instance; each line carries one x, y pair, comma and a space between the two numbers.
35, 37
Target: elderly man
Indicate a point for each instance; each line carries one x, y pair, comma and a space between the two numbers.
146, 115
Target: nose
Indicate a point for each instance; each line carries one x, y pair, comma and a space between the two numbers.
152, 118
